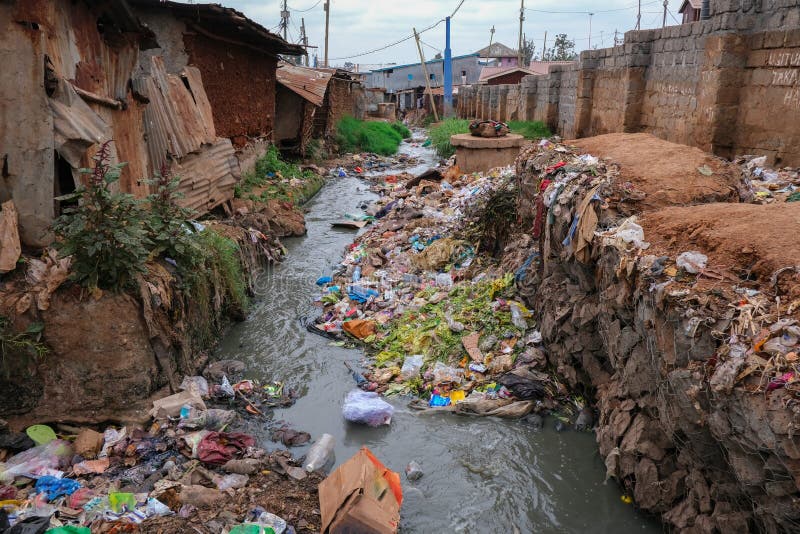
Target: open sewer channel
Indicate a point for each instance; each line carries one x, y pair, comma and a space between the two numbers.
485, 475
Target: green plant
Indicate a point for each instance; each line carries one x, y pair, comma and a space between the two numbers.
168, 227
273, 176
440, 134
222, 263
19, 348
106, 232
382, 138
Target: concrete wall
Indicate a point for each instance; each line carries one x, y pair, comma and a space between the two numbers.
729, 85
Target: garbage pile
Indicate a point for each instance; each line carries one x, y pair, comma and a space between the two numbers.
189, 466
441, 321
368, 163
770, 185
680, 307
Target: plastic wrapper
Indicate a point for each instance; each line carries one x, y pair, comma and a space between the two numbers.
411, 366
196, 384
366, 407
445, 373
692, 261
232, 481
41, 460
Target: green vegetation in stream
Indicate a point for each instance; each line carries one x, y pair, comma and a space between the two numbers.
428, 331
274, 178
440, 133
353, 135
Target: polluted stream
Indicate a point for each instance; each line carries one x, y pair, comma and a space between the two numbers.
480, 474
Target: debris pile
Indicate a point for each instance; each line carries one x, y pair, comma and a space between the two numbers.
659, 284
441, 320
171, 474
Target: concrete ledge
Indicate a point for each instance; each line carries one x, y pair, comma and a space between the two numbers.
470, 141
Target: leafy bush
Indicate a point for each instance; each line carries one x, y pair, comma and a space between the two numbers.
222, 262
382, 138
168, 226
106, 232
440, 134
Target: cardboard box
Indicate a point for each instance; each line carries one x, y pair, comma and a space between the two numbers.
361, 496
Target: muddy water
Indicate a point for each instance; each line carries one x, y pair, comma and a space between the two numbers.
481, 475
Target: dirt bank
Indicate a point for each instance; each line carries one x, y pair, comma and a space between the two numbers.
693, 373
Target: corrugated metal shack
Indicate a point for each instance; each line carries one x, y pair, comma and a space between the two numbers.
147, 74
311, 101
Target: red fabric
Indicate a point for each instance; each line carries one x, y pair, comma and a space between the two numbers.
538, 220
219, 447
558, 165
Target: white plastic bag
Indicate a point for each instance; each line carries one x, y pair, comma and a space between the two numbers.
411, 366
692, 261
366, 407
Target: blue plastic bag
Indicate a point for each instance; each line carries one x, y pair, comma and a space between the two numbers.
367, 408
54, 488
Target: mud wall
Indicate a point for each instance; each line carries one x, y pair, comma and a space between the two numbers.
240, 84
729, 85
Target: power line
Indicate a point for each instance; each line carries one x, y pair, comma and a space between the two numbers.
587, 12
430, 46
305, 10
399, 41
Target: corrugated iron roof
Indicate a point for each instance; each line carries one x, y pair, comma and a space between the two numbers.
497, 50
487, 73
311, 84
227, 25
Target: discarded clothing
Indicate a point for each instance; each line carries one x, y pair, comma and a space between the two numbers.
217, 448
53, 487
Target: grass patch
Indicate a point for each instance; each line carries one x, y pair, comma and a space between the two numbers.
274, 178
440, 134
382, 138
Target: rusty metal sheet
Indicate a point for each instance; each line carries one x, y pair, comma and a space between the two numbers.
76, 126
311, 84
207, 178
194, 79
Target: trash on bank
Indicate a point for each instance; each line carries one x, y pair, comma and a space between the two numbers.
361, 495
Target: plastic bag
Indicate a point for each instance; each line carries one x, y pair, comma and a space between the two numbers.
35, 462
445, 373
226, 388
232, 480
631, 233
197, 384
367, 408
692, 261
269, 521
411, 366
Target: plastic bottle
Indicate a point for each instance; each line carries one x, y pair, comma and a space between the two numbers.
320, 453
357, 274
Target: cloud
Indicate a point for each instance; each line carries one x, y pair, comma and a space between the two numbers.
361, 25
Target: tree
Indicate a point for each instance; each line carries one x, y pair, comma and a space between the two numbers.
438, 55
528, 48
563, 49
349, 65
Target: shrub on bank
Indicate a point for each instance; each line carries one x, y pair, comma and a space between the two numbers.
272, 178
440, 134
353, 135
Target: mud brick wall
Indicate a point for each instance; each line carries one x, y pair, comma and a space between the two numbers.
729, 85
240, 84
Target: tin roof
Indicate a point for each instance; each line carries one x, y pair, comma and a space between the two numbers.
497, 50
310, 84
543, 67
488, 73
429, 62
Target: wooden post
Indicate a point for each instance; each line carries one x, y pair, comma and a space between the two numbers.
427, 78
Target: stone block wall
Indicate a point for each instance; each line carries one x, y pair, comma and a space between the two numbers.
729, 85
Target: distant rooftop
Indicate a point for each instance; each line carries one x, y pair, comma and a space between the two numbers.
429, 62
543, 67
496, 50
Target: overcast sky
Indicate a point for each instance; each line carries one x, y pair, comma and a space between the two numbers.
357, 26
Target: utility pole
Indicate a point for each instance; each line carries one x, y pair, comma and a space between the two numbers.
427, 78
664, 21
521, 20
590, 30
544, 45
284, 19
327, 20
304, 38
615, 37
639, 16
448, 72
491, 36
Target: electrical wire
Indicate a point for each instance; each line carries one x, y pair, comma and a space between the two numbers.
592, 12
304, 10
430, 46
400, 41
